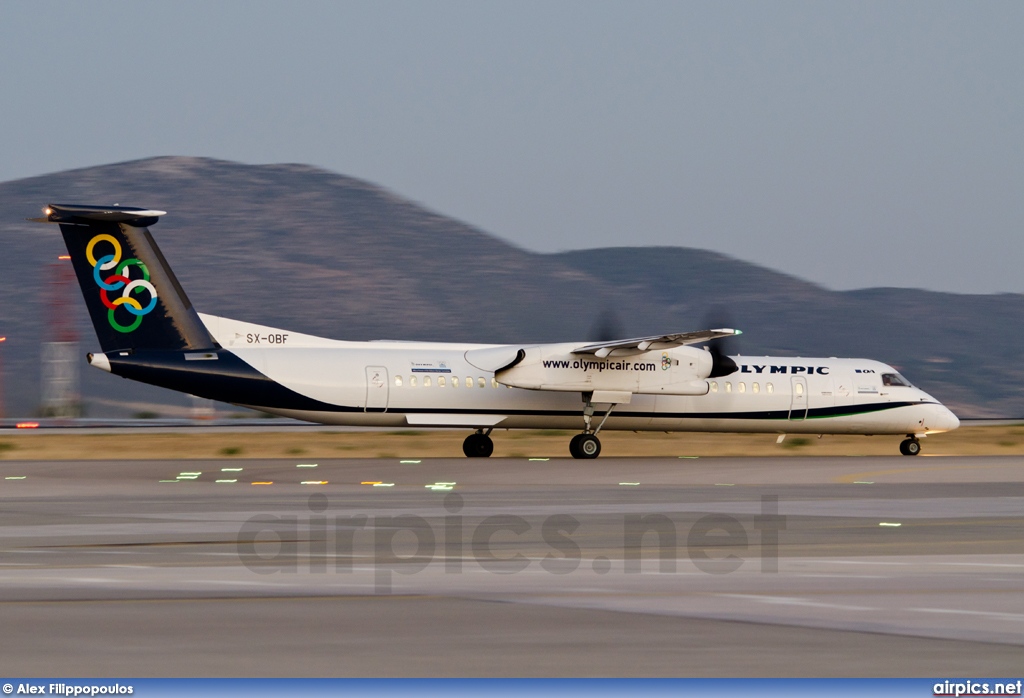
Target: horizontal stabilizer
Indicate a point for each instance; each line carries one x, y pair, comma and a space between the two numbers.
624, 347
84, 215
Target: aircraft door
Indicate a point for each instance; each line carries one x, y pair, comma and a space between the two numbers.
798, 407
376, 389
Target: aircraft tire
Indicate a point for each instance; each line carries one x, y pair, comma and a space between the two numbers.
574, 446
585, 446
910, 447
478, 446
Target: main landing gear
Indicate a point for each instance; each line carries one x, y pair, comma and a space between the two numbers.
910, 446
478, 444
587, 445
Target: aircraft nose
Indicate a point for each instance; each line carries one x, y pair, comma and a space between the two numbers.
942, 419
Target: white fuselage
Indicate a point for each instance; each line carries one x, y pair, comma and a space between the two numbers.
397, 384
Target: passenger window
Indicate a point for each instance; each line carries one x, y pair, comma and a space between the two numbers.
481, 382
756, 387
769, 387
728, 387
743, 387
412, 381
799, 388
426, 381
469, 382
440, 381
398, 381
494, 382
455, 381
714, 386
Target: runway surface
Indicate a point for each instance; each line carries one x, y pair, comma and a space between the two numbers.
510, 567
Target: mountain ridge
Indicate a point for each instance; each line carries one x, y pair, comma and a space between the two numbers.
299, 247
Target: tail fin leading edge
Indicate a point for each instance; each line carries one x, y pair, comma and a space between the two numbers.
133, 297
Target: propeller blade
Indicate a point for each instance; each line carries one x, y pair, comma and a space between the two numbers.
721, 364
607, 328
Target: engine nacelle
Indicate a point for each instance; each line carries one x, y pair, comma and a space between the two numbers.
676, 371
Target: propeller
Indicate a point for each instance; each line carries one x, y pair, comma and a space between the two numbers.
721, 364
607, 327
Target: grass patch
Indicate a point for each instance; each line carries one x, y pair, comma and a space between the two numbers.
6, 446
230, 451
406, 432
295, 451
796, 443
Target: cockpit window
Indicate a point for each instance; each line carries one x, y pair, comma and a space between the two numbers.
894, 379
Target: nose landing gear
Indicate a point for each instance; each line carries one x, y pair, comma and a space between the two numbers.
910, 446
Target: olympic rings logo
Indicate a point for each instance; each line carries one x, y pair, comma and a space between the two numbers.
666, 361
120, 280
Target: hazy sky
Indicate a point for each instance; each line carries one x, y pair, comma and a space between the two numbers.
852, 144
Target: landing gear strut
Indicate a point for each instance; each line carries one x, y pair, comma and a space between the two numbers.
910, 446
587, 445
478, 444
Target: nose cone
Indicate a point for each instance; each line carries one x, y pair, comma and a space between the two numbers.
941, 419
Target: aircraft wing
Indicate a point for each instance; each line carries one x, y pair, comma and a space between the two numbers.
621, 347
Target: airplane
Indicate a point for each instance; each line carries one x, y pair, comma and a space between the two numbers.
148, 331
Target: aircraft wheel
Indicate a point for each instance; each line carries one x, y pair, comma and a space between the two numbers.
910, 447
478, 446
585, 446
574, 446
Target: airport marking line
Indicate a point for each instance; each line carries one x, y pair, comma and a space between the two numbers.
859, 478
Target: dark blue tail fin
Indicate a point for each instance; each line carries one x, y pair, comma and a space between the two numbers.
132, 295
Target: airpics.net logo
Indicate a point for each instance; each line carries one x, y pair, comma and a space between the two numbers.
970, 687
407, 544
